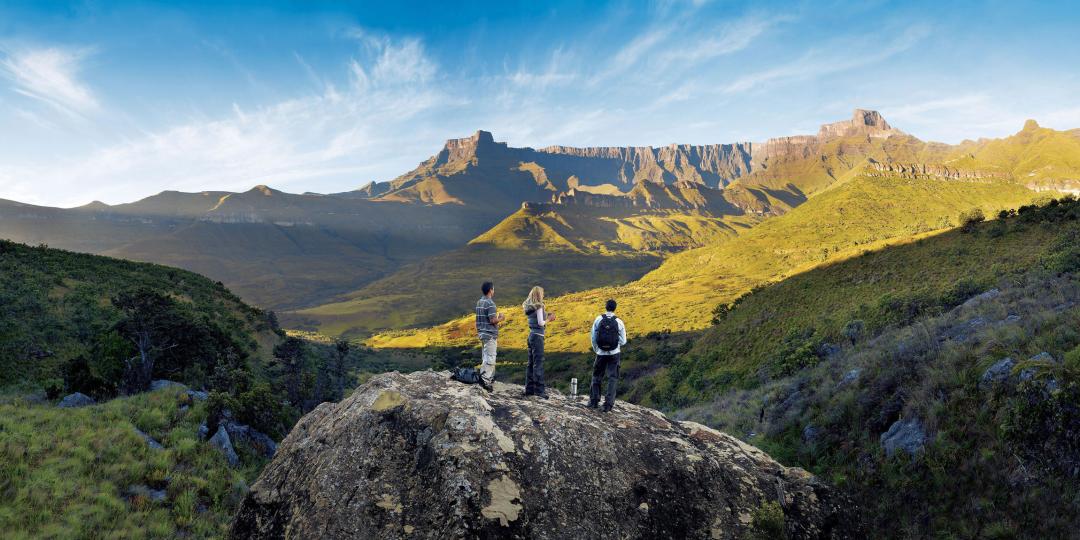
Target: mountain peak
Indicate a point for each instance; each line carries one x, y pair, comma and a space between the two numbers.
863, 122
264, 190
1031, 125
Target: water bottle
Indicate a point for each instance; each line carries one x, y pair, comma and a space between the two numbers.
573, 388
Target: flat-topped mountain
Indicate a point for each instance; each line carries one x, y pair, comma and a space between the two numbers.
420, 456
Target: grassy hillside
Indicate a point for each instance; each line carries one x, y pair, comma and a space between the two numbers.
447, 285
776, 330
56, 307
864, 213
1000, 458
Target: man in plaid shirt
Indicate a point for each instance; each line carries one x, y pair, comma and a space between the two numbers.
488, 319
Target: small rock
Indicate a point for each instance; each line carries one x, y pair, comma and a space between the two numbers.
204, 432
982, 297
1011, 318
907, 435
198, 395
162, 384
1042, 357
810, 434
221, 441
155, 495
252, 438
997, 373
850, 376
149, 440
78, 399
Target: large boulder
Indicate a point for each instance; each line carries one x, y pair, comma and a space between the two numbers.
420, 456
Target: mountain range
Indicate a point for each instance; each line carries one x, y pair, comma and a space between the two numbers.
553, 215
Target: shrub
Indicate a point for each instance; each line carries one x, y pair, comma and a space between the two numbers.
971, 218
853, 330
768, 521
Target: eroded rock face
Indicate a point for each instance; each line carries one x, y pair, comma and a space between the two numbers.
420, 456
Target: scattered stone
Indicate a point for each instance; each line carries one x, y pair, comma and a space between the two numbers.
1011, 318
997, 373
982, 297
453, 461
907, 435
254, 439
198, 395
78, 399
162, 384
1042, 357
221, 441
850, 376
149, 440
810, 434
139, 490
204, 432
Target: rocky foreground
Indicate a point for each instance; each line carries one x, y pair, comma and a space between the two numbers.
421, 456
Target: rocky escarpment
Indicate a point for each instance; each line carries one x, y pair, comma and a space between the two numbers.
420, 456
932, 170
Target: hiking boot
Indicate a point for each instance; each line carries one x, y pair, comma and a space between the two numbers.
542, 395
607, 407
593, 405
487, 386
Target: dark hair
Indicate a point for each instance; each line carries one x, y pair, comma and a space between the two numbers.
486, 287
611, 305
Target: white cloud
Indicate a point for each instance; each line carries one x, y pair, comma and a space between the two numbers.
336, 133
838, 58
50, 75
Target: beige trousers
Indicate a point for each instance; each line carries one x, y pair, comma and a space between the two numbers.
487, 366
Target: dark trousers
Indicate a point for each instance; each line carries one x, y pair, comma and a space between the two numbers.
534, 374
608, 363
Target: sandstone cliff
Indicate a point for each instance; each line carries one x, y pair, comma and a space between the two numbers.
420, 456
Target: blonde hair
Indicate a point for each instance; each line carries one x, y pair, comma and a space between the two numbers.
535, 300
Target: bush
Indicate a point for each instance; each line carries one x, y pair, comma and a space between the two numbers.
971, 218
768, 521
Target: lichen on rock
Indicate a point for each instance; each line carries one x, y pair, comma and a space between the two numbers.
421, 456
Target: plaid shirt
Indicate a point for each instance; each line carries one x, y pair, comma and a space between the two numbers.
485, 311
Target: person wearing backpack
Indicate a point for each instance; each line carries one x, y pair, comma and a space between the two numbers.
608, 336
488, 319
538, 318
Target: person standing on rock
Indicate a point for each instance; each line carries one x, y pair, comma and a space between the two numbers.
538, 319
488, 319
608, 336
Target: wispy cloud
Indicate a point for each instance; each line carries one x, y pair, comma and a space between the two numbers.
338, 132
816, 63
50, 75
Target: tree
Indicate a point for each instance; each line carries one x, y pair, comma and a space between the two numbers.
289, 364
147, 320
970, 219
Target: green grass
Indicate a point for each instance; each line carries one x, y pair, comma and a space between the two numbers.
448, 285
66, 473
866, 213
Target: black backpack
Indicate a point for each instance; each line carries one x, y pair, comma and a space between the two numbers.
607, 333
466, 375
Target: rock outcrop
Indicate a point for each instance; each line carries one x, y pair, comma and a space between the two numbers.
420, 456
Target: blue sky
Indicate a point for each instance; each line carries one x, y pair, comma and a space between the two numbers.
115, 101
